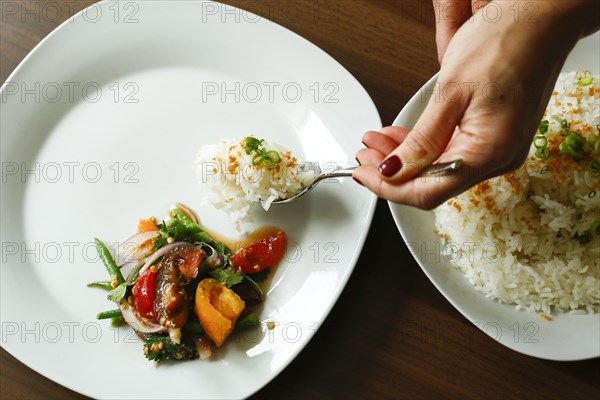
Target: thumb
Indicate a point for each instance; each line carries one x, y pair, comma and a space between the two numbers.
430, 136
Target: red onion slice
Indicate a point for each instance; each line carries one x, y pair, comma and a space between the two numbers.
136, 323
130, 245
133, 265
133, 268
214, 260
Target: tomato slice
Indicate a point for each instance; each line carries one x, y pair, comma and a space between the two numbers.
265, 253
142, 295
171, 305
217, 308
186, 259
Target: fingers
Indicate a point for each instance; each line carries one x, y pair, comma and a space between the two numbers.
370, 157
450, 15
423, 192
427, 140
386, 140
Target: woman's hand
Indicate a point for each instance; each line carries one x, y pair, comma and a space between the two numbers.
495, 82
450, 15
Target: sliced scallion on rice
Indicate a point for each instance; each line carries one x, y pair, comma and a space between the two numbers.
585, 81
594, 168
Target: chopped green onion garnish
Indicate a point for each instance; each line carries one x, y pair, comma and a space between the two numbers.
271, 159
585, 81
572, 146
596, 227
564, 125
563, 122
540, 141
544, 169
594, 168
592, 194
542, 153
262, 157
257, 159
543, 128
594, 141
252, 144
574, 139
583, 239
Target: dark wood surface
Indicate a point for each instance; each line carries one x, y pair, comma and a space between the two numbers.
384, 338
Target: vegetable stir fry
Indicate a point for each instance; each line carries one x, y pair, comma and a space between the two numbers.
184, 292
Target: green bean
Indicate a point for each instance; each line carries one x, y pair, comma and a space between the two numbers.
116, 321
109, 314
109, 262
102, 285
193, 326
247, 321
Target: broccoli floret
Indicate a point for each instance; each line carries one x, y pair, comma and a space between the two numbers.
159, 348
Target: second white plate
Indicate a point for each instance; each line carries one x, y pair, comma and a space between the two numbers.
566, 337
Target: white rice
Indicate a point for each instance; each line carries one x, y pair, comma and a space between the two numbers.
233, 184
515, 237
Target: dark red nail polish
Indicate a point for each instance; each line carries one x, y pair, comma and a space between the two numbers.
357, 181
390, 166
364, 143
357, 161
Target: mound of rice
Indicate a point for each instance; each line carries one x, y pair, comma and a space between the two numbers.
531, 237
234, 184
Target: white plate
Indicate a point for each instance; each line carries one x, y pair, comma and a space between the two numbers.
89, 163
567, 337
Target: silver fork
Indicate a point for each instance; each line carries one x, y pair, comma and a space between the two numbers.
340, 172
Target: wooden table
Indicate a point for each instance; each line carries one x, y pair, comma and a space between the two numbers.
385, 337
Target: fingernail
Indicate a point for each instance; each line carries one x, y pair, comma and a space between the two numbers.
390, 166
357, 181
364, 143
357, 161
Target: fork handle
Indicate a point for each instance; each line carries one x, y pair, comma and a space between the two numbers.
338, 173
434, 169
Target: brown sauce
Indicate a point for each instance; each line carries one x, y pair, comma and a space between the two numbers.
235, 244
